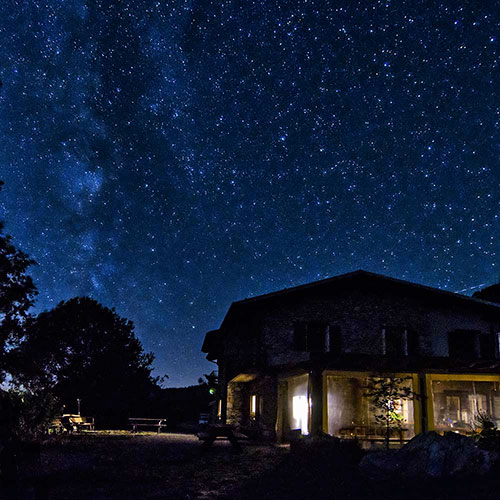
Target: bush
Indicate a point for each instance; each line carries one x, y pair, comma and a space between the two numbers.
489, 440
25, 415
487, 434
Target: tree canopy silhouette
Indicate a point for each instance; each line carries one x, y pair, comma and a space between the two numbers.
83, 350
17, 293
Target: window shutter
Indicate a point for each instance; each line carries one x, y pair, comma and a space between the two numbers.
316, 337
394, 341
462, 344
300, 337
487, 346
413, 342
335, 339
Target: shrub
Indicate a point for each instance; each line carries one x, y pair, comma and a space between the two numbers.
487, 435
25, 415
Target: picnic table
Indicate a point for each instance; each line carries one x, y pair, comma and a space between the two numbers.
212, 431
71, 423
80, 423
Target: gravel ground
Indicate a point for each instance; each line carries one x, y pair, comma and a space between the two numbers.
146, 466
119, 465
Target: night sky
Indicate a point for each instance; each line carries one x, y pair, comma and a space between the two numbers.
170, 157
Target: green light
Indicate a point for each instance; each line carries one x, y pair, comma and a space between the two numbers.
211, 391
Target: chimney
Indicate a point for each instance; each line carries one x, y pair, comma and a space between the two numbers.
490, 293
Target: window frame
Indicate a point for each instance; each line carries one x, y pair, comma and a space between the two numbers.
464, 350
402, 344
303, 332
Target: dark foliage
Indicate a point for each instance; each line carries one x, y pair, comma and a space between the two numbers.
488, 435
182, 406
25, 415
83, 350
17, 293
386, 394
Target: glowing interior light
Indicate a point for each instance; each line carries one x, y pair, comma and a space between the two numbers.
300, 411
253, 405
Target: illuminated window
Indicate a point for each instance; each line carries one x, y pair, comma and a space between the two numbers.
478, 404
219, 409
351, 412
253, 406
298, 403
401, 409
453, 413
458, 403
300, 413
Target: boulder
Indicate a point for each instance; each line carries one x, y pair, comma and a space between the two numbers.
379, 466
429, 455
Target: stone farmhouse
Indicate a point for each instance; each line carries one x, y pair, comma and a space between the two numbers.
299, 360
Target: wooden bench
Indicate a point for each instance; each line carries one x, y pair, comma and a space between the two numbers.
80, 423
70, 423
55, 426
157, 423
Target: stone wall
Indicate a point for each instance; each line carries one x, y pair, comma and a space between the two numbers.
266, 390
361, 316
262, 339
238, 403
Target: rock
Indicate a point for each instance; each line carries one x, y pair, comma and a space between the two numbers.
430, 455
379, 466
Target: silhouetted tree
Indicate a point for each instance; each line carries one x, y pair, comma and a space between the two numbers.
17, 293
83, 350
387, 394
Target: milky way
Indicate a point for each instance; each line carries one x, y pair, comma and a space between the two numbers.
167, 158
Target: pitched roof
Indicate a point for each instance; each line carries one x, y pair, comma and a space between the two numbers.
351, 277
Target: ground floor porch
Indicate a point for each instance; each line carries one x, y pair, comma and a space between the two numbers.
338, 403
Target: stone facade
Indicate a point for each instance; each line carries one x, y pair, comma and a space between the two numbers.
238, 403
361, 315
257, 345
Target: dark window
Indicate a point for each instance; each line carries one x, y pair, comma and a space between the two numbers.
487, 345
412, 343
310, 337
334, 339
395, 341
300, 337
462, 344
316, 337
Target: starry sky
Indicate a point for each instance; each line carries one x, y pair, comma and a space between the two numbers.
169, 157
